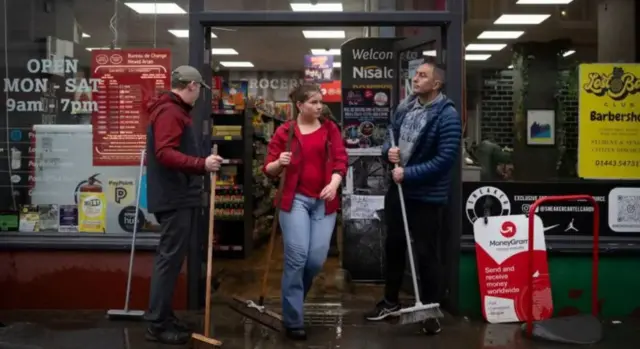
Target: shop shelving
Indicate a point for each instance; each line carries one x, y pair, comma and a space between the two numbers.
244, 196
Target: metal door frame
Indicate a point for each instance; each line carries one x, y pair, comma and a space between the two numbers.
200, 23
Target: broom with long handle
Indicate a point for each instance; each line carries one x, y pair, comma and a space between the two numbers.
206, 336
126, 313
418, 312
257, 311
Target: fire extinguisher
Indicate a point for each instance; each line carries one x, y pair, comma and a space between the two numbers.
91, 185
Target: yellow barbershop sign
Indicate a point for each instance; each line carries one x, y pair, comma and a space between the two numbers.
609, 121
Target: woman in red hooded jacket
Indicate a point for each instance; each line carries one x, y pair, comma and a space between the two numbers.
315, 167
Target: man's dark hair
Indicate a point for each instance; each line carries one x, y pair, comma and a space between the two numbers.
178, 84
438, 73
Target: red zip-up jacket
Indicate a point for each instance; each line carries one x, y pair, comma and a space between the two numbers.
336, 160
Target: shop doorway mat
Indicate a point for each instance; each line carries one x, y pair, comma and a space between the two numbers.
33, 336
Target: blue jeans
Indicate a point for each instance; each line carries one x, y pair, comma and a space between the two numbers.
306, 233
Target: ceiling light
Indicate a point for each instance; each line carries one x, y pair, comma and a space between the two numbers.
325, 52
85, 35
223, 51
500, 34
543, 2
324, 34
236, 64
510, 67
163, 8
307, 7
430, 53
476, 57
485, 47
521, 19
568, 53
184, 33
101, 48
337, 64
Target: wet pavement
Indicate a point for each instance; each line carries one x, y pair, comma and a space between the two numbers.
331, 325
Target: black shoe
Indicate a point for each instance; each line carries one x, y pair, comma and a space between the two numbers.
182, 326
381, 311
167, 336
431, 327
296, 334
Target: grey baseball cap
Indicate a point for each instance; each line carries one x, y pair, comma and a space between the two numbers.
187, 73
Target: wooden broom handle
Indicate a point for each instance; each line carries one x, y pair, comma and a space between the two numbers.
212, 208
274, 225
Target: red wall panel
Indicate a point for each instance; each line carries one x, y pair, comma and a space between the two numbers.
77, 280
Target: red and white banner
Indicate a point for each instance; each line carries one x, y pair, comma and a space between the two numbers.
502, 244
331, 91
127, 80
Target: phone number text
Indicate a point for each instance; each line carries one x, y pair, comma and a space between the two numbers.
617, 163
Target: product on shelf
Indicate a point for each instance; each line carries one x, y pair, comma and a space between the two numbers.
229, 202
227, 176
227, 130
29, 218
231, 194
230, 210
49, 217
9, 220
68, 219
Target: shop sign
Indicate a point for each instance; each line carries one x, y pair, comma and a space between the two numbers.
274, 83
619, 205
130, 79
609, 121
331, 92
502, 253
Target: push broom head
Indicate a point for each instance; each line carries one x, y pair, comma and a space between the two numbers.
266, 318
122, 314
418, 313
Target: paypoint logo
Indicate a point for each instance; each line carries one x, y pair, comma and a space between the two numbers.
121, 191
617, 85
372, 72
120, 194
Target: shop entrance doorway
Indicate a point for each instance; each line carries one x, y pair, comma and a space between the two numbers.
449, 26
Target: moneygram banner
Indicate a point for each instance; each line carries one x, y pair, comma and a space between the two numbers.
609, 121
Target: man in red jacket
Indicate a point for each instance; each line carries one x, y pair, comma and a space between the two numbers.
175, 168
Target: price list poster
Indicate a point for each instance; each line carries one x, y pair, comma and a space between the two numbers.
128, 80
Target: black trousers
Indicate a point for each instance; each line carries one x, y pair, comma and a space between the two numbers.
425, 223
176, 229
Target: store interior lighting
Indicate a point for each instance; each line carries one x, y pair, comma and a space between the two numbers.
485, 47
521, 19
324, 34
337, 64
325, 7
85, 35
543, 2
325, 52
161, 8
184, 33
568, 53
223, 52
476, 57
430, 53
101, 48
491, 35
238, 64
